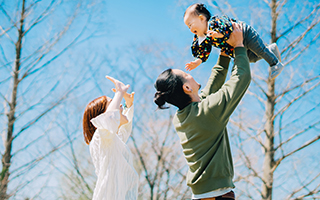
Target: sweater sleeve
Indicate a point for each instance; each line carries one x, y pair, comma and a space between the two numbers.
217, 77
222, 103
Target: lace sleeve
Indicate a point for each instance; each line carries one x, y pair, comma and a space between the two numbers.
125, 130
107, 127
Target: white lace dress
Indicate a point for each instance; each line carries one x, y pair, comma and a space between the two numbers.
113, 161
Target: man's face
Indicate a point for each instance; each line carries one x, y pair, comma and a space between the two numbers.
189, 81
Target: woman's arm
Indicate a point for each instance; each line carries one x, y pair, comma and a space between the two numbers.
120, 91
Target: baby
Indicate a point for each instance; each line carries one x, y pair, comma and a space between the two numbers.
199, 20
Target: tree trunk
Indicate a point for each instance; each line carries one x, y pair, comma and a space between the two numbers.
6, 158
269, 163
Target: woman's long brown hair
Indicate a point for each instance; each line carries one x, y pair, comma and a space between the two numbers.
93, 109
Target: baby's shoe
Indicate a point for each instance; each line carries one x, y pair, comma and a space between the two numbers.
275, 69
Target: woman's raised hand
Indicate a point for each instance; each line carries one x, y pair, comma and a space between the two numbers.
129, 99
119, 86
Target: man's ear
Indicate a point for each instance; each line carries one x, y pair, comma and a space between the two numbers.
186, 89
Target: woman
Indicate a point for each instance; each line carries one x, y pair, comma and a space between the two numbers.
106, 128
201, 121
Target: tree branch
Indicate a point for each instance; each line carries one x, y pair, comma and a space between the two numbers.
296, 99
304, 186
41, 17
301, 51
296, 87
297, 134
278, 161
299, 22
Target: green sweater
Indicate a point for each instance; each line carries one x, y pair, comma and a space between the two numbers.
201, 126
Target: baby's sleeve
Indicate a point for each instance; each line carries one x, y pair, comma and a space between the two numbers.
222, 25
201, 51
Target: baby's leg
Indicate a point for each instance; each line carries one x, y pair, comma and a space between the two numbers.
252, 56
256, 48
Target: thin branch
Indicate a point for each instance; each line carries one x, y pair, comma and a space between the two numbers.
304, 49
41, 17
4, 32
301, 116
297, 134
14, 24
141, 160
76, 165
215, 5
296, 99
249, 166
28, 166
59, 36
303, 187
29, 124
278, 161
308, 194
296, 86
254, 137
260, 87
298, 23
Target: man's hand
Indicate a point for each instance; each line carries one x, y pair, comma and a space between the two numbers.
236, 37
193, 64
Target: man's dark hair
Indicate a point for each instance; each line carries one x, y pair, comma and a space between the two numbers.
169, 88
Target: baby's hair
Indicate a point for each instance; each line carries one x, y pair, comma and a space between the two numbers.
199, 9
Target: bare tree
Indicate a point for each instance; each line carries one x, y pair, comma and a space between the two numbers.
35, 36
290, 125
280, 117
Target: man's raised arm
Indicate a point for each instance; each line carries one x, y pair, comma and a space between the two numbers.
222, 103
217, 77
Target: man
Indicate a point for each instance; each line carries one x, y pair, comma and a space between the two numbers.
201, 120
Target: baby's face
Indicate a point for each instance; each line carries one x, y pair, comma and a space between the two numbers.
197, 24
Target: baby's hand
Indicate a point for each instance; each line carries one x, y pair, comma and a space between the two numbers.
214, 34
193, 64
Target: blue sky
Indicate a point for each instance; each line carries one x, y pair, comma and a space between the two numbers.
140, 21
